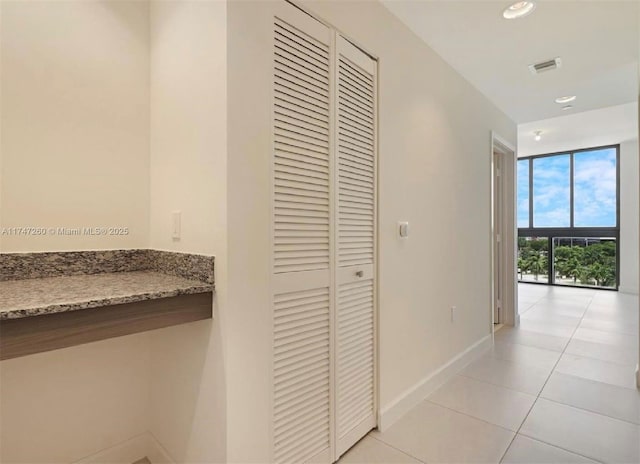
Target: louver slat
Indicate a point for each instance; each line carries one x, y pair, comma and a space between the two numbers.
356, 354
301, 241
301, 374
355, 165
301, 169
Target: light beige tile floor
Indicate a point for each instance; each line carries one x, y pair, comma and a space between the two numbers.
479, 399
143, 461
558, 389
372, 451
595, 369
433, 433
603, 352
526, 450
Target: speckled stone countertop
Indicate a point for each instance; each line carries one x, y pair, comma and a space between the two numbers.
47, 295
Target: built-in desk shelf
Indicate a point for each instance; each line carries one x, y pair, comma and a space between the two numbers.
48, 313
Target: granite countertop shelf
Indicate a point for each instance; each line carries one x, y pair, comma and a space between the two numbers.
56, 300
49, 295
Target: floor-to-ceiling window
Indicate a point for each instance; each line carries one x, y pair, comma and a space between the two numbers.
568, 218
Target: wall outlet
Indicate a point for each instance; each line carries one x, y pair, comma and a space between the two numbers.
453, 313
175, 227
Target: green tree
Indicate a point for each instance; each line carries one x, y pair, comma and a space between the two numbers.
539, 244
584, 275
599, 259
561, 256
573, 268
599, 274
537, 264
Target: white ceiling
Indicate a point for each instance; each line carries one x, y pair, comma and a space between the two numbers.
596, 128
597, 41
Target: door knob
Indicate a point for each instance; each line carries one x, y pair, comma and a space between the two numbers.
359, 273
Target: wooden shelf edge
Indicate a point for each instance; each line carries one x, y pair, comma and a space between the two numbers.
36, 334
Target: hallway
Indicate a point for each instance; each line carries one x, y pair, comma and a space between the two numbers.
559, 389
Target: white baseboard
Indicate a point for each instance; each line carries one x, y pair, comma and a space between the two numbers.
130, 451
417, 393
630, 290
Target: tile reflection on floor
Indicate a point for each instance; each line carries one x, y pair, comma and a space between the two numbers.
558, 389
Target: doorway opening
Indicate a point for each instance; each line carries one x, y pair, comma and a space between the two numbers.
504, 290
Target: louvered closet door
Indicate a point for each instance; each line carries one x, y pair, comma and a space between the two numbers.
356, 253
302, 297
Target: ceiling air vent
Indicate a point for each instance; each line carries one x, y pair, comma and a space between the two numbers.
544, 66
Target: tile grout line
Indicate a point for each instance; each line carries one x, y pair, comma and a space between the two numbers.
589, 358
546, 381
535, 401
589, 410
397, 449
498, 385
533, 346
560, 447
468, 415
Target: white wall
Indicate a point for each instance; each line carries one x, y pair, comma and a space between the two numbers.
188, 129
63, 405
629, 214
117, 116
248, 318
75, 152
434, 172
208, 383
189, 173
607, 126
75, 122
638, 193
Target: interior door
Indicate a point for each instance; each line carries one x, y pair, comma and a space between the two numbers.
301, 259
355, 335
324, 240
497, 238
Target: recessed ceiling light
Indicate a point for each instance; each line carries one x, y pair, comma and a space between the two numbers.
567, 99
538, 136
567, 107
518, 10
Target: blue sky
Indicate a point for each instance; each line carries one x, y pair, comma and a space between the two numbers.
551, 192
594, 190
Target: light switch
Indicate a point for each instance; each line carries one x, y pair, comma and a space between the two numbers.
175, 233
403, 229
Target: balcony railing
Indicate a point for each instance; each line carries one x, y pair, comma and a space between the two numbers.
573, 261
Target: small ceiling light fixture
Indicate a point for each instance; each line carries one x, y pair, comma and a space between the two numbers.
518, 10
567, 99
567, 107
538, 136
